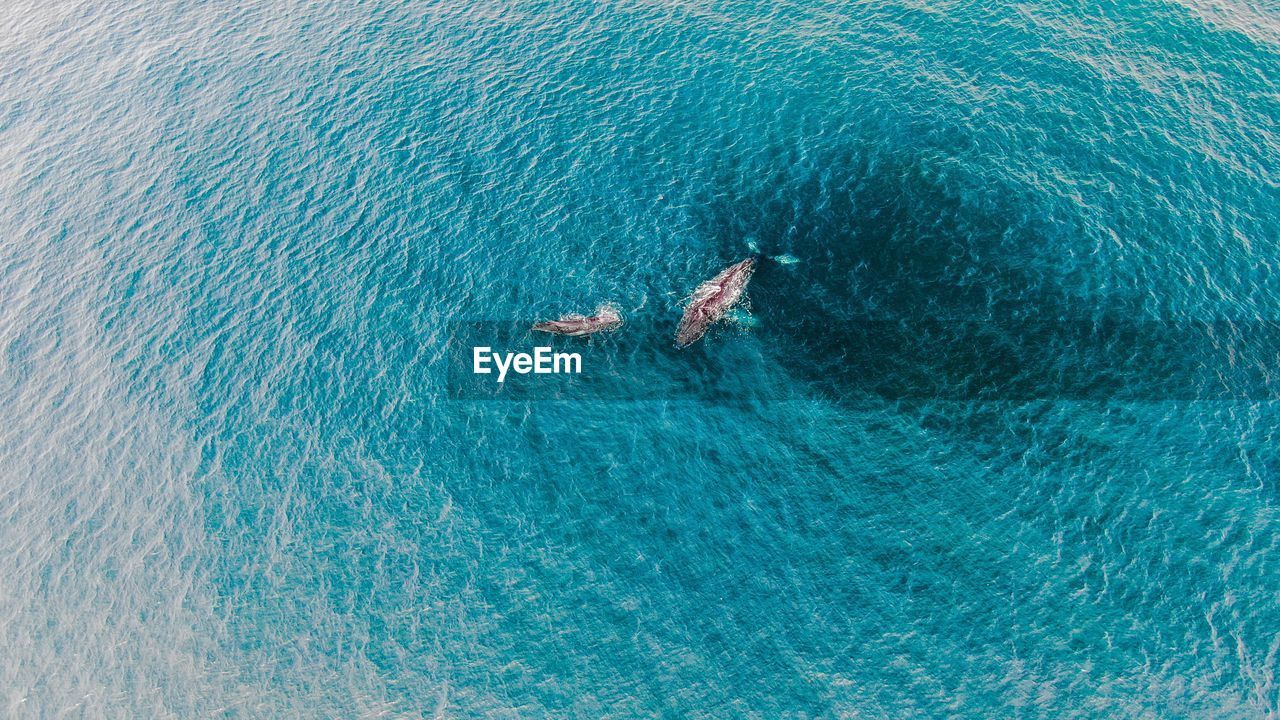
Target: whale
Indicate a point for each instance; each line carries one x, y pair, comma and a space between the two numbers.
605, 319
712, 299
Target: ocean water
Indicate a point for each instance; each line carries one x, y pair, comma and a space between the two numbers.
239, 243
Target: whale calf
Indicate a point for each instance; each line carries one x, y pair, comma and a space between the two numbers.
606, 318
712, 299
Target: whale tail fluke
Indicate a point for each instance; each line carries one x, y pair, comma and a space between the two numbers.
783, 259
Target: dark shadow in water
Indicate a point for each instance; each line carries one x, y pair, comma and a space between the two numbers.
913, 284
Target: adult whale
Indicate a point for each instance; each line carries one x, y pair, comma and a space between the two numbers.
606, 318
712, 299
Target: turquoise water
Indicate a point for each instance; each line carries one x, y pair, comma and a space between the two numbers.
237, 239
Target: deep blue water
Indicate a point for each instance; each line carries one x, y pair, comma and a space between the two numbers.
236, 239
